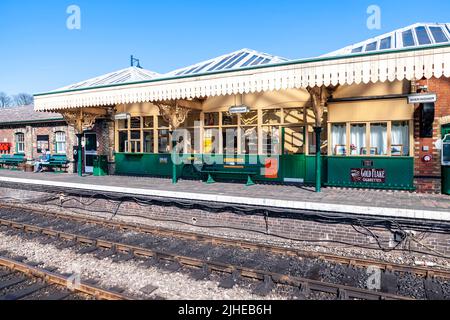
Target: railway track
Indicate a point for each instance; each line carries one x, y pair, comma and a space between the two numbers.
200, 268
20, 280
426, 272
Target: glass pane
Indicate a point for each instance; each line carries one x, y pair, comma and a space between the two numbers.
193, 141
135, 146
293, 116
123, 124
148, 142
211, 141
339, 139
90, 142
135, 122
149, 122
163, 141
385, 43
357, 50
230, 141
358, 139
193, 119
271, 141
438, 34
378, 139
422, 36
42, 144
250, 140
312, 141
229, 119
371, 46
135, 135
162, 123
249, 118
294, 140
400, 138
123, 141
272, 116
408, 38
212, 119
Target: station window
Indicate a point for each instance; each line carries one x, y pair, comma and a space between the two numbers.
271, 116
339, 139
20, 143
358, 139
60, 142
42, 143
400, 138
211, 119
250, 140
378, 139
371, 139
271, 140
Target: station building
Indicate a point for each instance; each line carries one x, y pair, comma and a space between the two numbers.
372, 115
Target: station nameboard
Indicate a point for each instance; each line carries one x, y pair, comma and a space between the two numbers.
422, 98
239, 109
122, 116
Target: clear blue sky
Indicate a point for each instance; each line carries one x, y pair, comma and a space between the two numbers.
38, 53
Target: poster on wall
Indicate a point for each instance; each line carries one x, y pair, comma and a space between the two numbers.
367, 175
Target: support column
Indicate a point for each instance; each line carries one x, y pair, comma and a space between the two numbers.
80, 155
318, 132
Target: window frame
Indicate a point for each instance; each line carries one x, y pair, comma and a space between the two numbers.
20, 143
62, 142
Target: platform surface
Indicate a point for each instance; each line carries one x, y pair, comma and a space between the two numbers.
353, 201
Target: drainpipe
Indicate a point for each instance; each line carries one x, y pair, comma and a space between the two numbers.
318, 132
80, 156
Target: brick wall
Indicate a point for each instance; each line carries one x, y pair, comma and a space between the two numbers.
320, 234
428, 174
31, 132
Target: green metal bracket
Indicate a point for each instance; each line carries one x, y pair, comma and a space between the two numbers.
210, 179
250, 182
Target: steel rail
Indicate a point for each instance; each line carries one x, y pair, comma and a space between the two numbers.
61, 280
249, 245
314, 285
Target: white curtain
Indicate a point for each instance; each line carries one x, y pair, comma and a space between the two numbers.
378, 138
358, 138
400, 135
338, 135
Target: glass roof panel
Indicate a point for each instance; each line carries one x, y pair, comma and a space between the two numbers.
408, 38
422, 36
250, 61
438, 34
230, 61
224, 60
357, 50
258, 61
371, 46
238, 60
386, 43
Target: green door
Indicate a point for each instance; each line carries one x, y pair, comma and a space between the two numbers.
446, 159
293, 159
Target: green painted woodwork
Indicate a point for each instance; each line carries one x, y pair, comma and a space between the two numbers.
399, 172
335, 170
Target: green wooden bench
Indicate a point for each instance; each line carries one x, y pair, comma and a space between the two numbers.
58, 162
213, 170
12, 161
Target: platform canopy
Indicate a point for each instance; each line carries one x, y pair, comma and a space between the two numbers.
232, 75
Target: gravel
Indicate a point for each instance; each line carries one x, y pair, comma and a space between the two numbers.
130, 275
